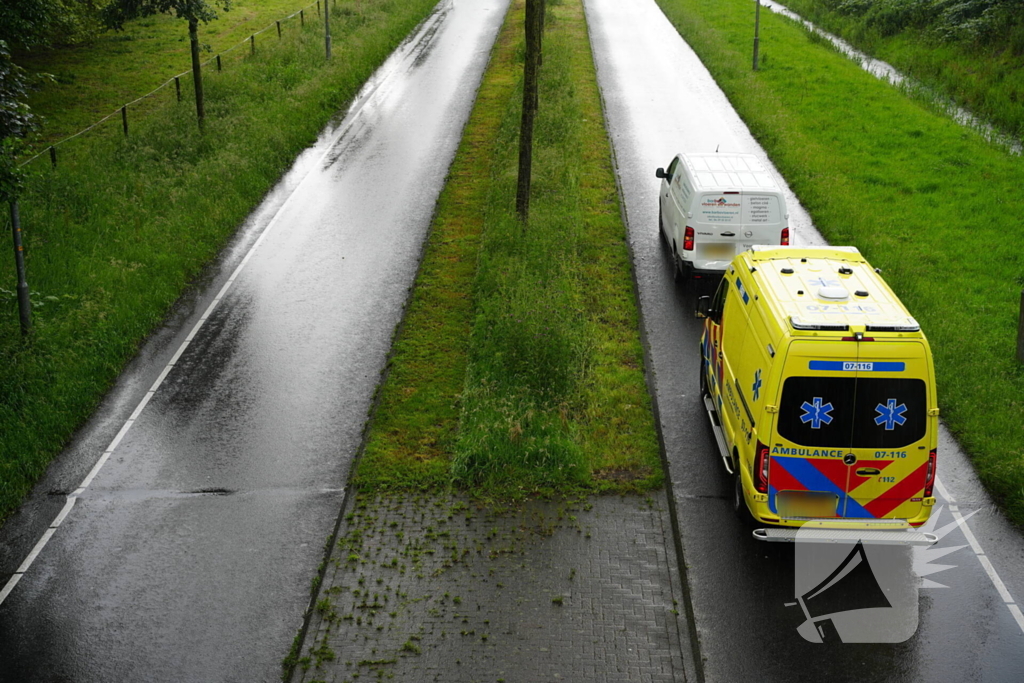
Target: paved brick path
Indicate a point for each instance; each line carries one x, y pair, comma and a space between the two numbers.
439, 590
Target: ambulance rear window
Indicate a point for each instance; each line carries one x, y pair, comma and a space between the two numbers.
853, 412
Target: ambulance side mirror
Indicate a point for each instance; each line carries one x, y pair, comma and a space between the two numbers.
704, 307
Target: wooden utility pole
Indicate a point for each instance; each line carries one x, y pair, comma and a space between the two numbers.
534, 28
1020, 331
197, 76
327, 28
757, 29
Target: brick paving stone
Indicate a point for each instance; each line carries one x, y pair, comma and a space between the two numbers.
426, 588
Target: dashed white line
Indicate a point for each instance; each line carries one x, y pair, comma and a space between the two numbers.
986, 564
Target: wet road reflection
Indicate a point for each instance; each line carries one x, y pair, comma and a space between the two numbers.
189, 556
660, 100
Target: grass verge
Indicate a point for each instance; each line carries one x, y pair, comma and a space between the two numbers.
519, 367
95, 78
929, 202
119, 229
985, 78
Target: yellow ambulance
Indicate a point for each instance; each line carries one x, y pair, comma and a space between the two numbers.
821, 393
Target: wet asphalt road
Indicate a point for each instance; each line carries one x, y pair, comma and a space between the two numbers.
189, 554
660, 100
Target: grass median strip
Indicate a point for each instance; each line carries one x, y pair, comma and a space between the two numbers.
928, 201
519, 367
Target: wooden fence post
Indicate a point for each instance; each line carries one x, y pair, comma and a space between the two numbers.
53, 156
219, 68
124, 119
177, 87
1020, 331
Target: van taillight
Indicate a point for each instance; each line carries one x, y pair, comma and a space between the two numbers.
929, 475
688, 239
761, 468
785, 237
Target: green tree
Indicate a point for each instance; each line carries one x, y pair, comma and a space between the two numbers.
25, 24
117, 12
16, 120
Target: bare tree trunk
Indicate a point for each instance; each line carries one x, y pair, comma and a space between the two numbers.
197, 76
24, 305
529, 109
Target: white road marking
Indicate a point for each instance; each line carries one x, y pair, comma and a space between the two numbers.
362, 100
986, 564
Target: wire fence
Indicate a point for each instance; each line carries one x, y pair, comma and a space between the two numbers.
51, 149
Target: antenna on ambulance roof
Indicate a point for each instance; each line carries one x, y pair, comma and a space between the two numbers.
716, 147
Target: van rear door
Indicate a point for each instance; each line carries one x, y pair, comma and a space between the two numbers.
852, 430
729, 222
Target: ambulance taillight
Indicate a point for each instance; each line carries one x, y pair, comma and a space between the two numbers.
761, 468
929, 475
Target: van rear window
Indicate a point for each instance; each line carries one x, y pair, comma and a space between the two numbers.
853, 412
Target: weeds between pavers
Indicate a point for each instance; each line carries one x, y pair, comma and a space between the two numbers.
927, 201
442, 577
519, 366
103, 232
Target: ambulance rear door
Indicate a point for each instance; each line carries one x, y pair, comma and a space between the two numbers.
851, 437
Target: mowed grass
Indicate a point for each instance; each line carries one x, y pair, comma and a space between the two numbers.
94, 79
121, 227
932, 204
519, 367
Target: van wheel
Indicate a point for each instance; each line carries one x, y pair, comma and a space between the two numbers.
678, 274
739, 505
661, 226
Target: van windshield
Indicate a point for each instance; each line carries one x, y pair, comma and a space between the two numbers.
854, 412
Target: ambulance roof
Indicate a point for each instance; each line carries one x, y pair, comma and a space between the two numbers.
828, 288
722, 172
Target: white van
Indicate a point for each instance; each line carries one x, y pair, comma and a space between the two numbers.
714, 206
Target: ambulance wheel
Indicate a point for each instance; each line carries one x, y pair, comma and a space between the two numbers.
704, 378
739, 506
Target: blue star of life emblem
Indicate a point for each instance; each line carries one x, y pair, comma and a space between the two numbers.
757, 384
891, 414
816, 413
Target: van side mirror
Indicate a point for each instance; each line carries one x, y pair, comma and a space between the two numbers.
660, 173
704, 307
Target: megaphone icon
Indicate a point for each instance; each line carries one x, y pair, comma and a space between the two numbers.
870, 596
851, 586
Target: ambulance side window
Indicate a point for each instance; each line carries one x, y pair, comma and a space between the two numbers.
718, 302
